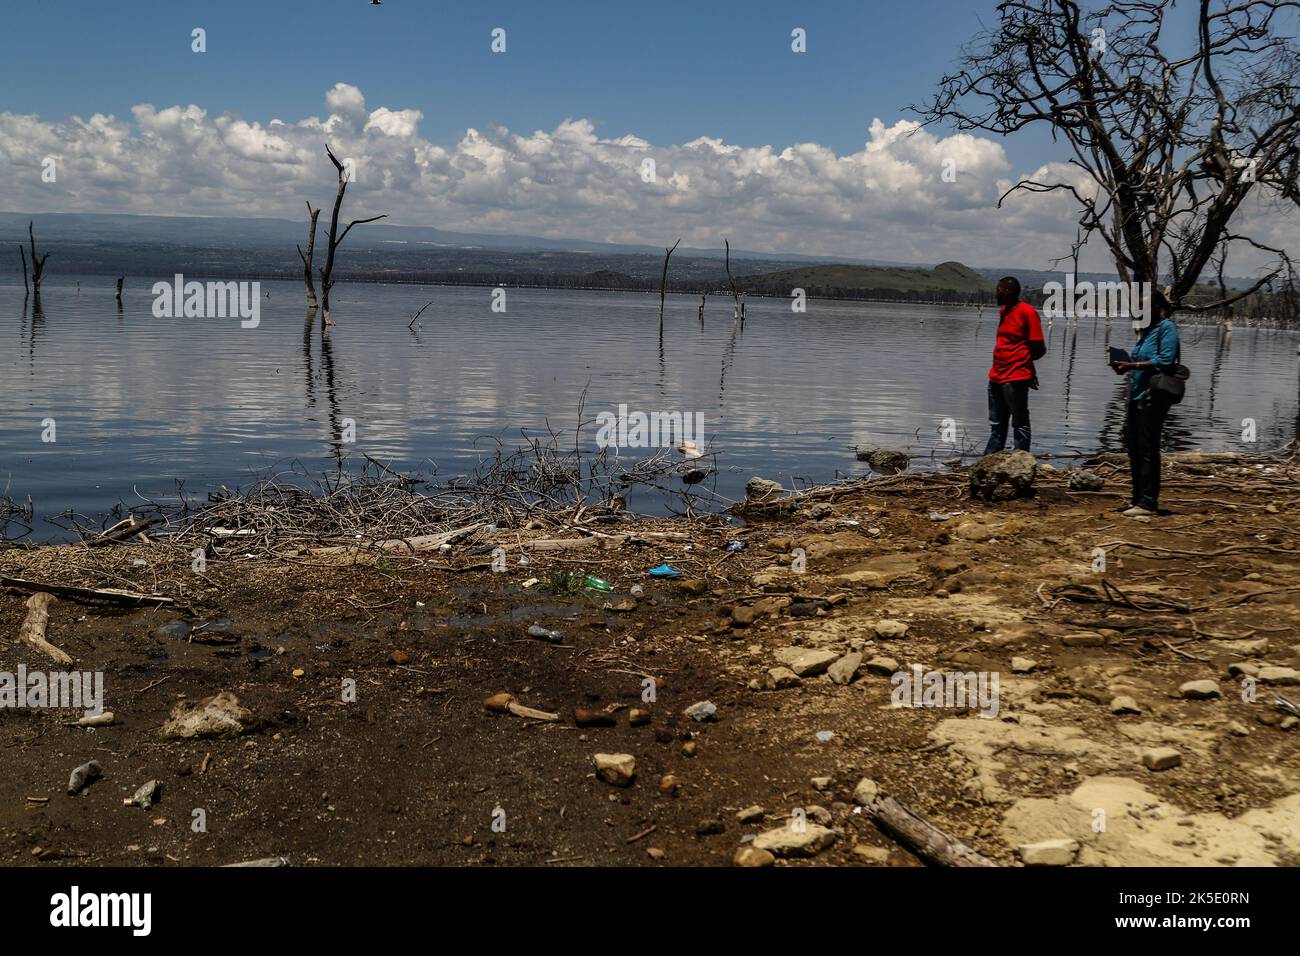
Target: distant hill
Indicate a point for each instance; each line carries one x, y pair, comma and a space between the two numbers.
947, 281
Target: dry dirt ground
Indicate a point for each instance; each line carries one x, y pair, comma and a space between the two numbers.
416, 771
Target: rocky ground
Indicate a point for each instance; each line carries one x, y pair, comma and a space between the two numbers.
739, 713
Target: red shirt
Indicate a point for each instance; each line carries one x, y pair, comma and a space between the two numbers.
1012, 361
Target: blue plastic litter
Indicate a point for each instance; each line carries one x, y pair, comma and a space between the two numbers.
665, 571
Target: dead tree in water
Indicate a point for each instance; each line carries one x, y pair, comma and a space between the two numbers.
703, 295
663, 282
335, 240
307, 259
22, 254
38, 263
735, 293
119, 289
1178, 118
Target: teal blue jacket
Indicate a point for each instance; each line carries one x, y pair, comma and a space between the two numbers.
1159, 344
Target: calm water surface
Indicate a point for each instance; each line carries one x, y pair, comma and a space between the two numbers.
140, 402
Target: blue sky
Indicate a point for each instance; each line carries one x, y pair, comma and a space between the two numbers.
669, 71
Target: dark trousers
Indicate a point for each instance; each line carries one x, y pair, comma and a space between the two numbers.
1008, 402
1142, 430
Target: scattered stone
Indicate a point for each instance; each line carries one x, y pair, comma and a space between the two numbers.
1124, 705
884, 461
655, 853
1003, 474
750, 814
798, 838
806, 662
865, 792
669, 785
845, 669
1272, 674
1059, 852
220, 715
702, 711
752, 856
890, 630
616, 769
1022, 665
820, 512
399, 657
883, 665
1200, 690
779, 678
83, 777
1161, 758
636, 716
821, 783
761, 488
96, 720
1086, 481
877, 855
710, 828
694, 586
1238, 729
1084, 639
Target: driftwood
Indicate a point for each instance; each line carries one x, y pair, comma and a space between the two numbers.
424, 542
107, 595
126, 528
922, 837
33, 629
506, 704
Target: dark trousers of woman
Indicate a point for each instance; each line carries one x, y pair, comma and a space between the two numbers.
1008, 402
1142, 430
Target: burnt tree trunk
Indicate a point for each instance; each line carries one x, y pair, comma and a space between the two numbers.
308, 256
335, 240
38, 263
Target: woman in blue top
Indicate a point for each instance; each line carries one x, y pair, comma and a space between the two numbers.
1157, 351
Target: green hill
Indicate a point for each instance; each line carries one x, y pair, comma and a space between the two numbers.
948, 280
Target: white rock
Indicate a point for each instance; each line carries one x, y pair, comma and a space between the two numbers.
805, 661
1161, 758
799, 838
866, 791
1200, 690
889, 630
1059, 852
616, 769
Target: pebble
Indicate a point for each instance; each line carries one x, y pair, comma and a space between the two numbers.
84, 776
821, 783
795, 839
669, 785
1161, 758
779, 678
702, 710
1272, 674
636, 716
1059, 852
872, 854
751, 856
750, 814
866, 791
888, 629
806, 662
1124, 705
616, 769
1200, 690
883, 665
1022, 665
845, 669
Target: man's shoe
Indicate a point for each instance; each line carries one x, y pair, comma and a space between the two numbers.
1137, 511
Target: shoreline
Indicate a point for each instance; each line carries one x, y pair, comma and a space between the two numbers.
412, 770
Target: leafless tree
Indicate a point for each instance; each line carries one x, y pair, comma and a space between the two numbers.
38, 263
1174, 118
335, 240
309, 255
735, 293
663, 282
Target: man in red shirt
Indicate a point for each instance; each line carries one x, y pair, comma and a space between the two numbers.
1019, 343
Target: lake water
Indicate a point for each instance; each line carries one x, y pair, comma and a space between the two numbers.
139, 401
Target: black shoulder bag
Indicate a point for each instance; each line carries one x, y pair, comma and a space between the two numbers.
1171, 385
